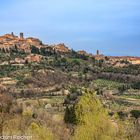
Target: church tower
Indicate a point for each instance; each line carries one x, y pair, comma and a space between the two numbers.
21, 36
97, 53
12, 34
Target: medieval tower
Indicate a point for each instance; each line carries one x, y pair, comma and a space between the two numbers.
97, 53
21, 36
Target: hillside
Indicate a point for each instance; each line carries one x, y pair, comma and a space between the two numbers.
49, 89
10, 42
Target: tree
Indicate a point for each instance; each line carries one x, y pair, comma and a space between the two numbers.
34, 50
135, 113
70, 115
43, 51
137, 130
92, 120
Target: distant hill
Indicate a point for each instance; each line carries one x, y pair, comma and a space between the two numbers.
31, 45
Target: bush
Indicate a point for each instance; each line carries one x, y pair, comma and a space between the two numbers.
135, 113
39, 133
92, 121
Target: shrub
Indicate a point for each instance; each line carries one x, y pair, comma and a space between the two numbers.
39, 133
92, 120
135, 113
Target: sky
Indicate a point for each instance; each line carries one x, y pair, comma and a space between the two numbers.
111, 26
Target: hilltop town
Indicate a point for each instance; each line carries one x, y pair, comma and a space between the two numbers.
49, 89
11, 42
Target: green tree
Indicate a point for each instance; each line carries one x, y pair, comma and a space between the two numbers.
34, 50
92, 119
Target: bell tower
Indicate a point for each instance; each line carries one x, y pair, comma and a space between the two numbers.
12, 34
97, 53
21, 36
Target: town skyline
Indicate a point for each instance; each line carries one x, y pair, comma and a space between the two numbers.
111, 27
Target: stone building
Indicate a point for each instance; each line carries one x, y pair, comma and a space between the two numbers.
21, 36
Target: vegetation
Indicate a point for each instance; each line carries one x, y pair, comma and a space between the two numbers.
92, 120
43, 99
108, 84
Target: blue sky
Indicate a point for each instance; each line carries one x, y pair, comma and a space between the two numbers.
112, 26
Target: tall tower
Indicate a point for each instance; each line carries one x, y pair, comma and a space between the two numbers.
21, 36
97, 53
12, 34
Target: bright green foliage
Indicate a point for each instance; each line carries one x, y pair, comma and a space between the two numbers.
92, 119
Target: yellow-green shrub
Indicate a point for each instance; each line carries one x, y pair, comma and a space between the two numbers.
93, 122
39, 133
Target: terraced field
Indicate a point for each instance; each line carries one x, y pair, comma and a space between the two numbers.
108, 84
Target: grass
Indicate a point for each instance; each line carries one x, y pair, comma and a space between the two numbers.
132, 96
101, 83
56, 99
